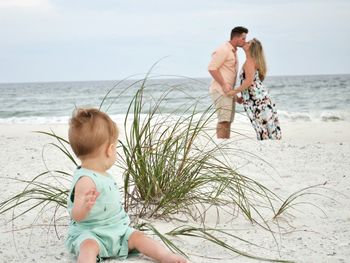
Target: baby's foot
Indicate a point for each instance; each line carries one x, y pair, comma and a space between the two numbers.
173, 258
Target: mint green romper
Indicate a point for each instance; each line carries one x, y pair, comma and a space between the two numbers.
107, 222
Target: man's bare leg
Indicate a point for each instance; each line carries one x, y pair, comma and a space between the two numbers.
223, 130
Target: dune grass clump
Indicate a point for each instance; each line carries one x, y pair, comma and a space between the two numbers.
172, 165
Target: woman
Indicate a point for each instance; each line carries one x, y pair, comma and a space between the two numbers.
256, 100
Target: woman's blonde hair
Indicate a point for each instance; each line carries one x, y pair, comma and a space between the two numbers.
257, 53
89, 129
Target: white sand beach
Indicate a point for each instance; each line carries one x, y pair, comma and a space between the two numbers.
311, 153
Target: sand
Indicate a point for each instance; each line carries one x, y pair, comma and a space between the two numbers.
311, 153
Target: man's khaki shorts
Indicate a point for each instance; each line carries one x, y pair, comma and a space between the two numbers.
225, 107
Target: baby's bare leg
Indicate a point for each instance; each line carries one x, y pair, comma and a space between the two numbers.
153, 249
88, 252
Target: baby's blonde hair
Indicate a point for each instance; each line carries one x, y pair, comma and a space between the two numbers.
89, 129
257, 53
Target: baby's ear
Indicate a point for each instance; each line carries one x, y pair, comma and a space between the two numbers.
110, 149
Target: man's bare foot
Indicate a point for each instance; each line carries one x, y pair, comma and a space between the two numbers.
173, 258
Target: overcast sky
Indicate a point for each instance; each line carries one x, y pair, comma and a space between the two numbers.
64, 40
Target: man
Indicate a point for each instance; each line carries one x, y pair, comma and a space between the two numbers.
223, 68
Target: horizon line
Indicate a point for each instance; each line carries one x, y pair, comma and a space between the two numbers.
164, 77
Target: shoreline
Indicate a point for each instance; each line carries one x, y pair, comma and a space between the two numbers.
336, 131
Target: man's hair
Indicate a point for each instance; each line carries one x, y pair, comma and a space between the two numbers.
238, 30
89, 129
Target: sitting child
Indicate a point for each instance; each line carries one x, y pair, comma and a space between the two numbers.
99, 225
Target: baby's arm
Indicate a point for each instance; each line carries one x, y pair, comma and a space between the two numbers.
85, 196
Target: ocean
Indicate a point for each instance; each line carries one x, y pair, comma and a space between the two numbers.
298, 98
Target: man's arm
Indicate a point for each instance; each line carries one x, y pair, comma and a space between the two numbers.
216, 74
218, 59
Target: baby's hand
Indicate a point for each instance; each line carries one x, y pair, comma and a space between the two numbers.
90, 198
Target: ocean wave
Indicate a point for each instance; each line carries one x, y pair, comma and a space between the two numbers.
34, 120
119, 118
325, 116
295, 116
332, 116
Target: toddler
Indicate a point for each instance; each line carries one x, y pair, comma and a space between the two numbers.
99, 226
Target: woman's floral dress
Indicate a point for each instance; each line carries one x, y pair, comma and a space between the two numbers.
261, 110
